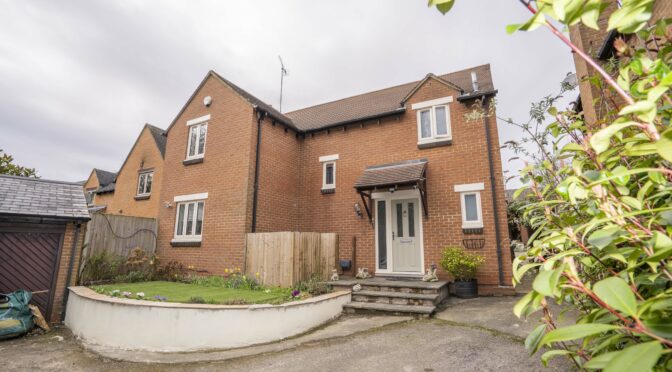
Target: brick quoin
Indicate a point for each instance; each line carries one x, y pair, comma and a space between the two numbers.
290, 180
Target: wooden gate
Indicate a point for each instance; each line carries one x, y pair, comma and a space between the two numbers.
285, 258
28, 260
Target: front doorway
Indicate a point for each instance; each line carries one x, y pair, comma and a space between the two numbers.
398, 233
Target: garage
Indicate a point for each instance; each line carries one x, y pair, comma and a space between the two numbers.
41, 231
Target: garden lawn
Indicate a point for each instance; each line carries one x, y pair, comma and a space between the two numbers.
184, 293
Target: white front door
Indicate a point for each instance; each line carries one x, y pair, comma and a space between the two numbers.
406, 252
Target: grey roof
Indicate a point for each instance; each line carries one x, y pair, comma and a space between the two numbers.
401, 173
104, 177
107, 188
159, 137
44, 198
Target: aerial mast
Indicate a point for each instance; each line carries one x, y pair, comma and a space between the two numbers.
283, 72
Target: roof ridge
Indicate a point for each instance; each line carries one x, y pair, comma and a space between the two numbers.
40, 180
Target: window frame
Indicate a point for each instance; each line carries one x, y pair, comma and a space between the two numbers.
137, 187
192, 237
199, 124
478, 223
431, 107
326, 161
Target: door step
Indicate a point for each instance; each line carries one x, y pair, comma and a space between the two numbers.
359, 307
397, 298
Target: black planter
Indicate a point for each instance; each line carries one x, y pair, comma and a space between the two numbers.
466, 289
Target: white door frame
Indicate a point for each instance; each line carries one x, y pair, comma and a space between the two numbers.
389, 197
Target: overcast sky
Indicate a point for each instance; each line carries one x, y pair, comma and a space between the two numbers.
78, 79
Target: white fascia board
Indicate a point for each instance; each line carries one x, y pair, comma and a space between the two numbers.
198, 120
328, 158
434, 102
470, 187
190, 197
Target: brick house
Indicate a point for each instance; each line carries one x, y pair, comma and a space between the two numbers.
599, 44
398, 173
135, 189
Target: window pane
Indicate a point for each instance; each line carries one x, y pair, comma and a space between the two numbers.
180, 220
330, 174
190, 219
441, 124
148, 183
201, 139
382, 234
400, 221
141, 184
199, 219
425, 124
192, 140
470, 207
411, 220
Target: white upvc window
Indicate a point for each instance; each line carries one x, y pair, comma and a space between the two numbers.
329, 171
189, 217
145, 183
433, 120
470, 200
197, 131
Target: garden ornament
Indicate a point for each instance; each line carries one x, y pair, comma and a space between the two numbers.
362, 273
430, 275
356, 287
334, 275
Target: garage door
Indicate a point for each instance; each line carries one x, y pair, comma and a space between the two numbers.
28, 256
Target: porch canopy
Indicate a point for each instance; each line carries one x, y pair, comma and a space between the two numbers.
391, 177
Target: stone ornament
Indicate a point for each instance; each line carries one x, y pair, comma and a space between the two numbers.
363, 273
356, 287
334, 275
430, 275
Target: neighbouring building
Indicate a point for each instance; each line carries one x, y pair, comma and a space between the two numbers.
398, 173
596, 102
135, 189
42, 227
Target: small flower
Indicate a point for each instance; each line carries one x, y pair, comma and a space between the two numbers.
267, 291
126, 294
296, 293
160, 298
115, 293
257, 273
140, 294
226, 271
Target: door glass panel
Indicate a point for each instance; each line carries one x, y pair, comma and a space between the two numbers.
190, 218
411, 220
470, 207
425, 124
201, 139
199, 219
441, 124
180, 220
382, 235
400, 220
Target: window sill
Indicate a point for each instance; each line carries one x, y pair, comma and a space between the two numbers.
472, 230
192, 161
328, 191
185, 243
142, 197
434, 143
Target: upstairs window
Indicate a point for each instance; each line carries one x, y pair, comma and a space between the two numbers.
433, 120
328, 173
198, 129
145, 183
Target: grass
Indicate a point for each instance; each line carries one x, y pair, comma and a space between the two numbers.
184, 293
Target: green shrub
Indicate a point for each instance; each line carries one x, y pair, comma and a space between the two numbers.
460, 264
242, 281
173, 271
102, 266
133, 277
315, 286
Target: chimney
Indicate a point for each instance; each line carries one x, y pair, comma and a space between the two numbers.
474, 81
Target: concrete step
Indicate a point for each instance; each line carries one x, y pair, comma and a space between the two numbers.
368, 307
397, 298
391, 289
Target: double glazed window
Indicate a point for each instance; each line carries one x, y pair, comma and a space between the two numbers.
471, 210
145, 183
196, 144
434, 123
328, 173
189, 220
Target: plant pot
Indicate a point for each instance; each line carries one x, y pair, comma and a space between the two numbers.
466, 289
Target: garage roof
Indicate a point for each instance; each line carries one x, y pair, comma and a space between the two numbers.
23, 196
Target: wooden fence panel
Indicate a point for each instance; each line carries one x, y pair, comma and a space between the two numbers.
284, 258
120, 234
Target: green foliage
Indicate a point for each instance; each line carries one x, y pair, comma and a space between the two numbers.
242, 281
315, 286
460, 264
102, 266
599, 197
209, 281
7, 166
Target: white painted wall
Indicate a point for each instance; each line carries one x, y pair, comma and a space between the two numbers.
161, 326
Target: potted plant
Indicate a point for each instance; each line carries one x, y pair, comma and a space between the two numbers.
462, 266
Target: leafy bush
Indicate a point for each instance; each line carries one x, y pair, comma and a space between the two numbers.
315, 286
460, 264
102, 266
600, 200
172, 271
242, 281
133, 277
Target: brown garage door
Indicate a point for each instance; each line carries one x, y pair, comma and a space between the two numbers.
28, 257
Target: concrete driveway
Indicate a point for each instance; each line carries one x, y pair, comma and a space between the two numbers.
463, 337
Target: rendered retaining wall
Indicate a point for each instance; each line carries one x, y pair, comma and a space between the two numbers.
164, 326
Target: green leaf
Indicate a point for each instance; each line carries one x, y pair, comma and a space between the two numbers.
532, 340
513, 28
551, 354
546, 282
622, 177
442, 5
518, 274
616, 293
640, 357
591, 13
632, 16
645, 110
631, 202
576, 331
600, 361
522, 304
661, 327
604, 236
642, 149
664, 145
600, 140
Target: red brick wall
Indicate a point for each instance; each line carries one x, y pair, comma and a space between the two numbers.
63, 266
224, 175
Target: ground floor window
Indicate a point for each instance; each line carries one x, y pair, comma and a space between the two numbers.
189, 220
470, 201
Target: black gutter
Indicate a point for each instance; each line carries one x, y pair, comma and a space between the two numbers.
43, 217
397, 111
493, 193
474, 95
72, 262
260, 117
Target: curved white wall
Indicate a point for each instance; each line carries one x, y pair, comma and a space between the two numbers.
162, 326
